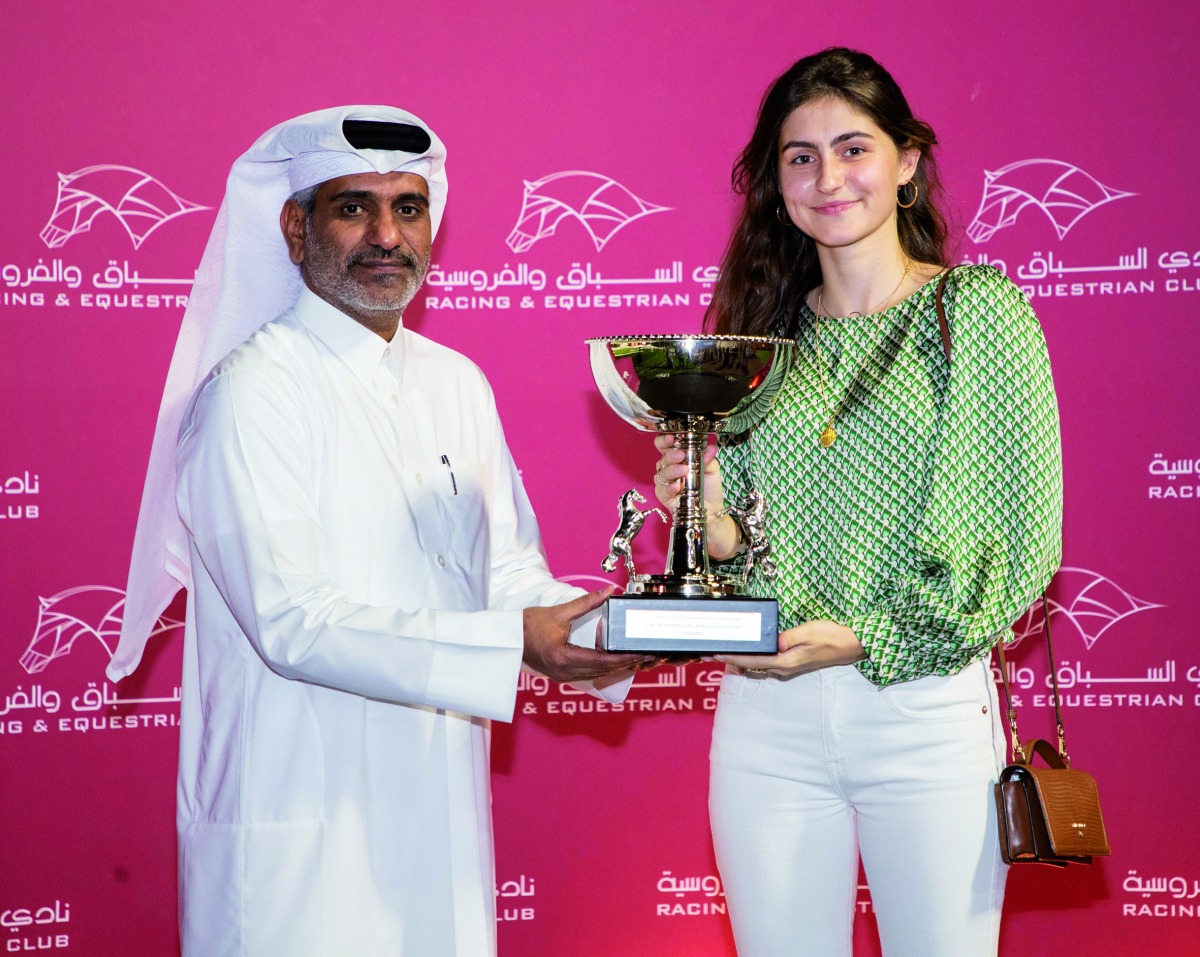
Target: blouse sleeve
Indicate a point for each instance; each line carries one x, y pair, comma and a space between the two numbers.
990, 536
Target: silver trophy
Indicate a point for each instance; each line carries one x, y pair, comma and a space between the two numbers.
690, 386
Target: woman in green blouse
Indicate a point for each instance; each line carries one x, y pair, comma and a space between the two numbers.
915, 488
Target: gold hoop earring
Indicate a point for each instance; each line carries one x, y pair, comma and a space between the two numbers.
912, 202
782, 216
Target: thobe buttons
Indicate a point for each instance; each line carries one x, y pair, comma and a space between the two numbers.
420, 478
394, 399
441, 560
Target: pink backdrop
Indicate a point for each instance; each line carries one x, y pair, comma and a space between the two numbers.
1083, 112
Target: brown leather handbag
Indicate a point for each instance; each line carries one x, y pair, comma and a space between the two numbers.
1047, 815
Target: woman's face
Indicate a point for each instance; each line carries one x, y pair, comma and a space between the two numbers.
839, 174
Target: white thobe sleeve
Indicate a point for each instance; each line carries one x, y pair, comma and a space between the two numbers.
248, 494
520, 576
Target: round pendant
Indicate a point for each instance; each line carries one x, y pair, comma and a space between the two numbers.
828, 436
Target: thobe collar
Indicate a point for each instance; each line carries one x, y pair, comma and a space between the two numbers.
357, 346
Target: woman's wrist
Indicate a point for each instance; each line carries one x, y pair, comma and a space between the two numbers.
724, 537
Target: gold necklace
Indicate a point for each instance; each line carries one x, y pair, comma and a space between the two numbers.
829, 433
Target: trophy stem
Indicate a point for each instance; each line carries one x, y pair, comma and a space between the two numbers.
687, 552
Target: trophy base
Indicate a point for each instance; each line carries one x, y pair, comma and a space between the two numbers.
721, 624
684, 586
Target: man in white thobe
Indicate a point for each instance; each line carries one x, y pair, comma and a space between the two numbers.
366, 575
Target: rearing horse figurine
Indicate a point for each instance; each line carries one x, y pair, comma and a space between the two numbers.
751, 518
632, 520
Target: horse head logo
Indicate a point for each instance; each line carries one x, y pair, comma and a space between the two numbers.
1065, 193
139, 201
600, 204
89, 610
1091, 603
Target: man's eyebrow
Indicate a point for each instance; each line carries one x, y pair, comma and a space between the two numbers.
840, 138
412, 197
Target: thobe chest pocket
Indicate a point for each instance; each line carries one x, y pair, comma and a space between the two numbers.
461, 497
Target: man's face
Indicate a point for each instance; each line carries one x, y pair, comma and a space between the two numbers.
365, 248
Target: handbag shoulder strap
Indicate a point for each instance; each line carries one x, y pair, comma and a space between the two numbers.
1021, 754
943, 325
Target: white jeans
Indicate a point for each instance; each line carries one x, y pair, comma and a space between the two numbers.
809, 773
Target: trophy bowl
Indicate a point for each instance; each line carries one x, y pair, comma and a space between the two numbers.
690, 385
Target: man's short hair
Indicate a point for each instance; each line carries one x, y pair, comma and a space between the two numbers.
306, 199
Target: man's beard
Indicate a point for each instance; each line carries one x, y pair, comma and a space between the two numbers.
333, 280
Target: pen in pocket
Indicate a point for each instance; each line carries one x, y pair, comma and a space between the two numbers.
453, 483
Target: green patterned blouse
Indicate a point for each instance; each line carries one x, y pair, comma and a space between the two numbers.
935, 518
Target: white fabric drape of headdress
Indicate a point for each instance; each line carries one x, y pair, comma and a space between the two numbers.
245, 279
